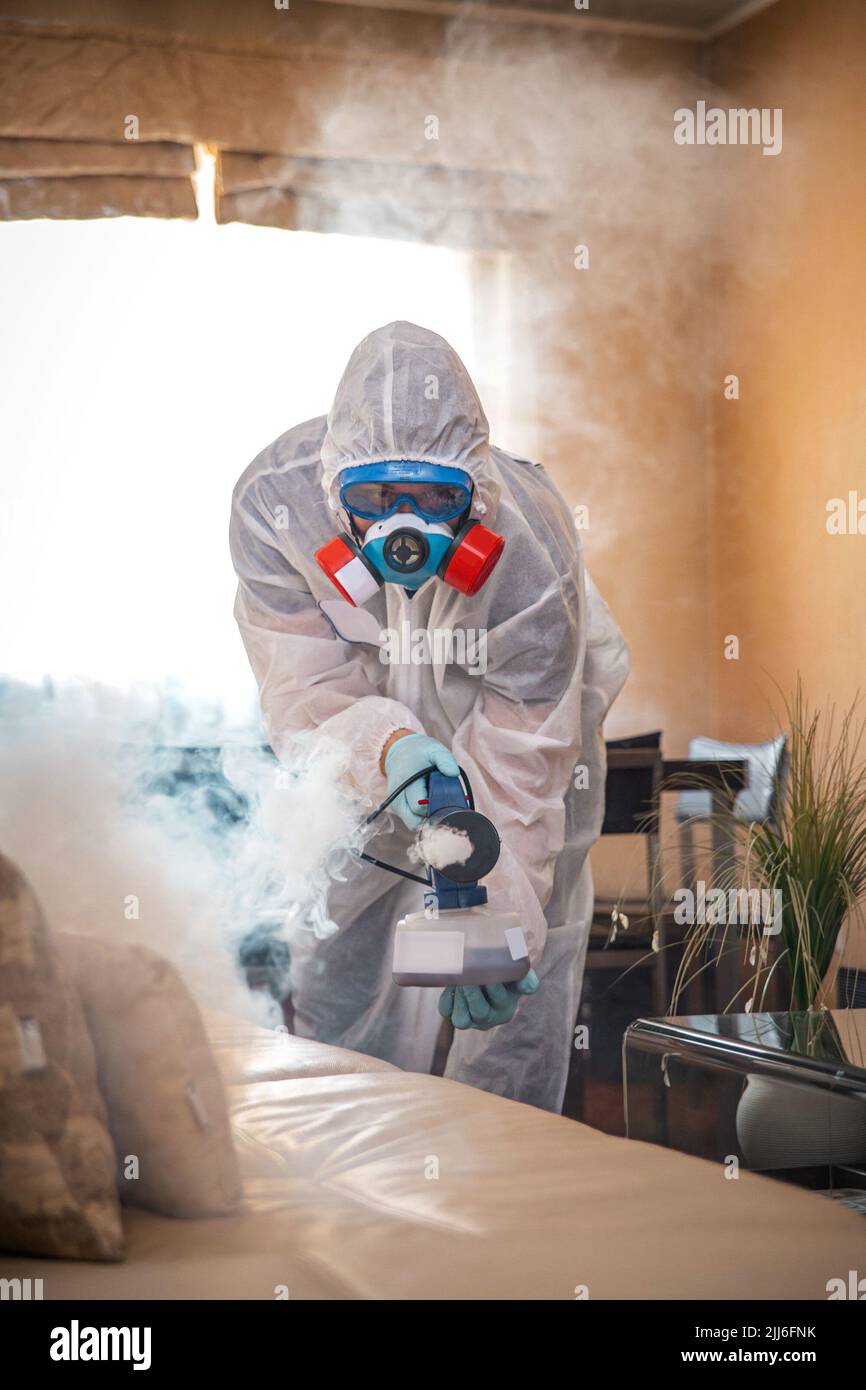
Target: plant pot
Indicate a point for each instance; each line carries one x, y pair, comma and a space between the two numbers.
781, 1124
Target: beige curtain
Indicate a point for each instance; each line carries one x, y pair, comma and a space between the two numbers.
82, 179
445, 206
311, 135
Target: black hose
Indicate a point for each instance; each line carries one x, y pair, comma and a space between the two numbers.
425, 772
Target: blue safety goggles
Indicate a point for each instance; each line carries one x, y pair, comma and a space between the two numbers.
375, 491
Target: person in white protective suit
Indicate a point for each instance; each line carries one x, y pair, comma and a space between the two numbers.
406, 442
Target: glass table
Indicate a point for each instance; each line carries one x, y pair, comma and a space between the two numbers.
780, 1093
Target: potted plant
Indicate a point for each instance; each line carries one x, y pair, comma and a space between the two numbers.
808, 860
808, 863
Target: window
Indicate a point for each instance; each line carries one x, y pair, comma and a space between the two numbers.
145, 363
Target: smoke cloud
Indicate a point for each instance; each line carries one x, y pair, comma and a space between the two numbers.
129, 836
441, 845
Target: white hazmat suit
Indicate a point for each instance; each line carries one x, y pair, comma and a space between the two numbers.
520, 712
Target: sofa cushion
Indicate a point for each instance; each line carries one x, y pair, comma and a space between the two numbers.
165, 1096
389, 1185
244, 1256
57, 1181
409, 1186
246, 1052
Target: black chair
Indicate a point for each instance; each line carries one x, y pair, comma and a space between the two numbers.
632, 787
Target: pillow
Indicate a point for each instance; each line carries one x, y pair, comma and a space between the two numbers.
58, 1193
755, 801
165, 1097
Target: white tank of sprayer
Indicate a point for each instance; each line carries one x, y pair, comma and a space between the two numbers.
459, 946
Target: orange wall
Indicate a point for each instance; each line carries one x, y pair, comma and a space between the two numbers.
791, 306
615, 381
708, 516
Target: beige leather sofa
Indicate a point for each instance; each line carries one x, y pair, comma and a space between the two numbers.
365, 1182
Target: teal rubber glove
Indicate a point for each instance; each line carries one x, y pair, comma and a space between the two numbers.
485, 1006
412, 753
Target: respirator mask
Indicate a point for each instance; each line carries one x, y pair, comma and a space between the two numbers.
408, 547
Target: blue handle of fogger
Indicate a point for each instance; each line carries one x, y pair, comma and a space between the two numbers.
444, 793
447, 794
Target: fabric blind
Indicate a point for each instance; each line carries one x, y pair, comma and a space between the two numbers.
82, 179
314, 135
447, 206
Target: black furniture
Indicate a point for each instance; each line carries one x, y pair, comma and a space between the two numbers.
630, 969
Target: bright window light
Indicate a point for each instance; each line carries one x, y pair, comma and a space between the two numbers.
145, 363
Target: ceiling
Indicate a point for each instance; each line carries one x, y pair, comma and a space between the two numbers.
679, 19
693, 14
684, 19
